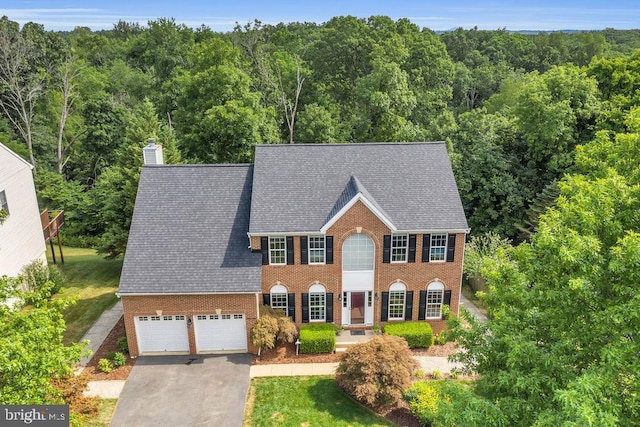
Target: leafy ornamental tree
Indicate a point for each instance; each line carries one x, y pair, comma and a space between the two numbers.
562, 347
378, 371
272, 328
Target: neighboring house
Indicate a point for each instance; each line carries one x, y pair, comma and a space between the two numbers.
21, 238
351, 234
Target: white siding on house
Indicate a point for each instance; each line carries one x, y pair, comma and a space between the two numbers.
21, 238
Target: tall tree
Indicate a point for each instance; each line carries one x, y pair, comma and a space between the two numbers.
562, 346
115, 192
20, 84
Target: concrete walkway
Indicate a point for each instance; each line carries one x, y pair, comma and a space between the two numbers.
464, 301
105, 389
98, 332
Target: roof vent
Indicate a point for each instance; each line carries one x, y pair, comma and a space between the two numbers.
152, 153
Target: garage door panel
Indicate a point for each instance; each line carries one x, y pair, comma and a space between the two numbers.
226, 332
162, 334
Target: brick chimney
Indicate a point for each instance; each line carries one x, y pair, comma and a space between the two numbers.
152, 153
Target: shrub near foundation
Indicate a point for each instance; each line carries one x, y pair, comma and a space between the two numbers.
417, 334
316, 339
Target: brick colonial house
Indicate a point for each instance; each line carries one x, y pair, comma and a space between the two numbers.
350, 234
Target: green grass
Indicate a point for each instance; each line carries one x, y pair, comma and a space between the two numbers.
304, 401
105, 414
94, 282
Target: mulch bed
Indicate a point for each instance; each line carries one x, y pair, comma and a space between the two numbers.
287, 354
110, 344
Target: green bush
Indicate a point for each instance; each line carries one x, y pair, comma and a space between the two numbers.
105, 365
123, 344
318, 338
450, 403
417, 334
117, 358
378, 371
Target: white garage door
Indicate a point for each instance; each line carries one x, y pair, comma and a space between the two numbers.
224, 332
162, 333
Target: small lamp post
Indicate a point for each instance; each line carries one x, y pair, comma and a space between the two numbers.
297, 346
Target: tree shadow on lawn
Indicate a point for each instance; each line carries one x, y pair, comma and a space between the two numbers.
329, 398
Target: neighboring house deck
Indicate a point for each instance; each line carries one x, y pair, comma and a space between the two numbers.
351, 234
21, 238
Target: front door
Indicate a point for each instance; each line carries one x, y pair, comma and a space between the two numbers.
357, 308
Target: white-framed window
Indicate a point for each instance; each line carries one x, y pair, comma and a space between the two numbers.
317, 303
358, 253
316, 249
397, 294
279, 297
438, 247
399, 244
435, 294
277, 250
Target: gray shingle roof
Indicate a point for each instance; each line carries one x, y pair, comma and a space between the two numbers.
189, 232
297, 187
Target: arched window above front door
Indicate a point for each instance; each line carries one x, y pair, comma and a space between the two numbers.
358, 253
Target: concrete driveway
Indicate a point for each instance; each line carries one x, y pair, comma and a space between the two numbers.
205, 390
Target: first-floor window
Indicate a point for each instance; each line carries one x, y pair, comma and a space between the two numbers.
279, 298
277, 250
435, 292
438, 247
317, 303
397, 293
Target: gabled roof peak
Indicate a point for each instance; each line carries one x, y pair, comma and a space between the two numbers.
353, 191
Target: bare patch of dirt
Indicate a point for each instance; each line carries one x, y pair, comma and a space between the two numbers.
110, 344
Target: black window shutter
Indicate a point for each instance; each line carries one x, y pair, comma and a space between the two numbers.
386, 249
264, 248
305, 308
447, 298
291, 306
329, 305
384, 309
266, 299
412, 248
304, 246
426, 247
289, 250
422, 308
408, 305
451, 247
329, 249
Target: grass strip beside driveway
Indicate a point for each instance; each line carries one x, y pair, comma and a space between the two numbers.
304, 401
91, 279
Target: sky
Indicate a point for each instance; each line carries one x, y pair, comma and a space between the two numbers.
439, 15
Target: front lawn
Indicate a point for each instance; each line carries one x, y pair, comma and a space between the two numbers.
304, 401
105, 412
93, 280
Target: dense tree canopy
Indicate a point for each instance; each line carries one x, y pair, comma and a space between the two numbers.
562, 346
512, 106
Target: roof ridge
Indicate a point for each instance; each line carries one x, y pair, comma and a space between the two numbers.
189, 165
343, 144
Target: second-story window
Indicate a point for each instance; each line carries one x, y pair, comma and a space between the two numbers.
316, 249
438, 247
399, 248
277, 250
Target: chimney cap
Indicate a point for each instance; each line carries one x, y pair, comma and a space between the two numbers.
151, 141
